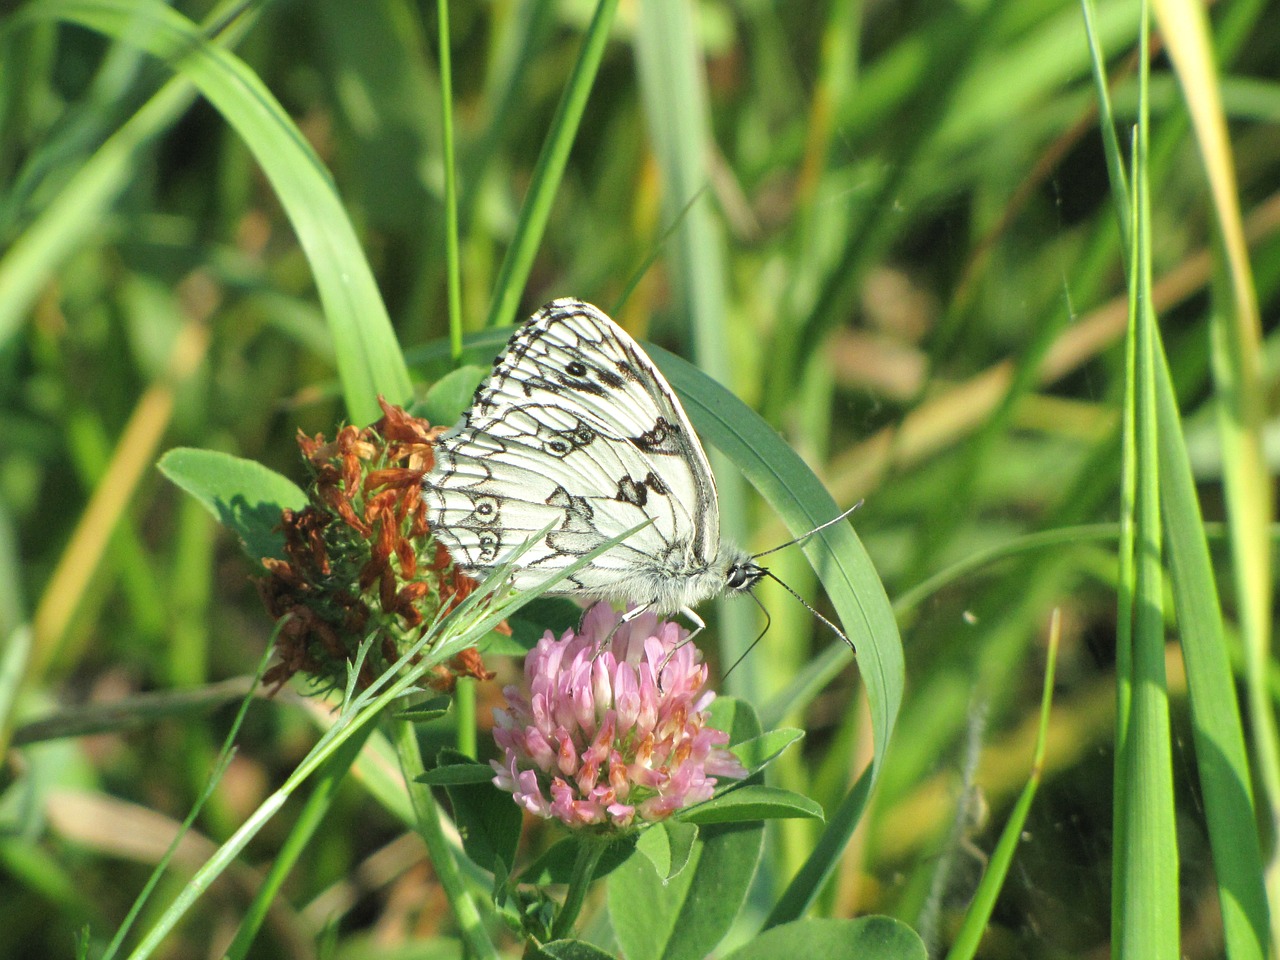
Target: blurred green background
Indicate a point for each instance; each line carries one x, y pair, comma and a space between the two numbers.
893, 236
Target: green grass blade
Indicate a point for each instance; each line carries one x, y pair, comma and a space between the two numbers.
301, 834
674, 92
13, 665
846, 572
453, 268
1241, 396
827, 851
1126, 588
1147, 924
1106, 120
369, 359
1222, 758
222, 762
976, 918
445, 859
548, 172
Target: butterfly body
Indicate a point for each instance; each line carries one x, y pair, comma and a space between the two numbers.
576, 433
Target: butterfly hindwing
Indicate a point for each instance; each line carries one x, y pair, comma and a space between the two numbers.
575, 428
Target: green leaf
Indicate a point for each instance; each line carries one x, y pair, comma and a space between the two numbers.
455, 774
667, 846
488, 820
426, 711
570, 950
685, 917
867, 938
758, 752
735, 717
450, 395
242, 494
754, 802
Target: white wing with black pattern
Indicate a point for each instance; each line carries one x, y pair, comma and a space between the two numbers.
576, 429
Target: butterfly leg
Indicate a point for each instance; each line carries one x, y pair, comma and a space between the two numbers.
634, 612
698, 623
625, 618
698, 626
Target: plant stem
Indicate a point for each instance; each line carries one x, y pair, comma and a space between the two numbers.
452, 268
464, 708
438, 848
584, 868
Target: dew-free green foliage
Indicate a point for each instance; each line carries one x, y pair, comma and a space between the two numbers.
885, 253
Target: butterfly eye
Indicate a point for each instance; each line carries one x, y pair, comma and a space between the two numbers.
743, 576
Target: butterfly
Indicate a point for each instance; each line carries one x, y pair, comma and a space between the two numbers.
576, 438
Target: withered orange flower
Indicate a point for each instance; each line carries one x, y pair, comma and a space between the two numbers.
360, 557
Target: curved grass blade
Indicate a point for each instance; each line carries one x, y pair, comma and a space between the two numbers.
75, 216
799, 497
369, 359
845, 570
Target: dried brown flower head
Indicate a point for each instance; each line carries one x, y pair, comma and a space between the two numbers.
360, 559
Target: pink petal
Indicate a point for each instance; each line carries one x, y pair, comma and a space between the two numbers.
621, 813
538, 748
567, 755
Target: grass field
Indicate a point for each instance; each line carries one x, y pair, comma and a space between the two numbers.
1006, 282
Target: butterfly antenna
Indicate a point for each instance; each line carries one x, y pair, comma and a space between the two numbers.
805, 603
806, 536
768, 620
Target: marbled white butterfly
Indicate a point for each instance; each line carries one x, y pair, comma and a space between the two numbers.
575, 429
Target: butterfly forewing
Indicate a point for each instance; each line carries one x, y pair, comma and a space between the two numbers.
576, 428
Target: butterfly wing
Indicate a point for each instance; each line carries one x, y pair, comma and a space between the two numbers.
575, 428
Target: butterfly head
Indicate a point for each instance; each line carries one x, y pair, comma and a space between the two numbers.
743, 575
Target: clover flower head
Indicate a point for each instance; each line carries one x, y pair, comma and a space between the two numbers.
610, 727
359, 558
